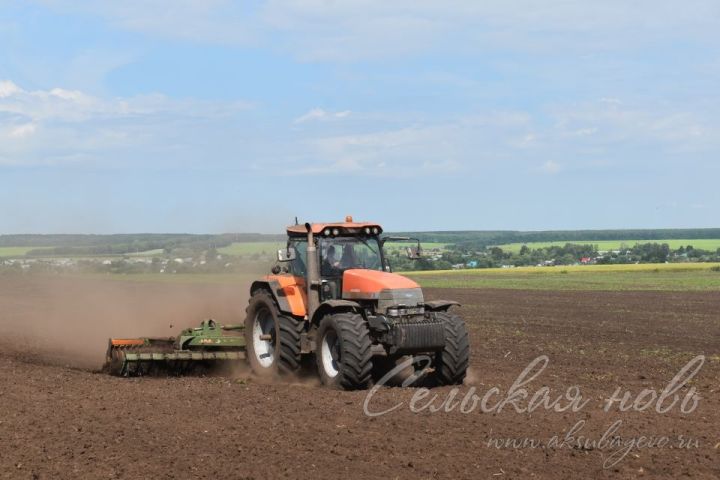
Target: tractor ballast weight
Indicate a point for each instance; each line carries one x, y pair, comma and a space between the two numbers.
353, 314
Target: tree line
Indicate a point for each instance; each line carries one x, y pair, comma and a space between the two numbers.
568, 254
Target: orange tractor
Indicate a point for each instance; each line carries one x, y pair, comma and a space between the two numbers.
333, 295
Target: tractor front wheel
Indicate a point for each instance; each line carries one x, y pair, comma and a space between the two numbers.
344, 354
451, 363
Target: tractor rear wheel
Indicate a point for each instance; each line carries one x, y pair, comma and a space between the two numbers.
272, 340
451, 363
344, 354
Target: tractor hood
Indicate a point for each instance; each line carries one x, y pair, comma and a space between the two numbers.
359, 283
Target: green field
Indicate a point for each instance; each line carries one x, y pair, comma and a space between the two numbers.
147, 253
711, 244
425, 245
251, 248
17, 252
665, 276
14, 251
662, 277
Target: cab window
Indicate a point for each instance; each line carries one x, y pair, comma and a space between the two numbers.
343, 253
298, 266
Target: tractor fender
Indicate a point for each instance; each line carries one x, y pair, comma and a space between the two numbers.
335, 305
440, 305
288, 297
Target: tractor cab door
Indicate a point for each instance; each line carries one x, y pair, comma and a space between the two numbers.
298, 267
330, 270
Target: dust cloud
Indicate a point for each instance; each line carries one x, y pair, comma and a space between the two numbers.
68, 319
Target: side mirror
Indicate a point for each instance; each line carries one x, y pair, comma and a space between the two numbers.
414, 253
286, 255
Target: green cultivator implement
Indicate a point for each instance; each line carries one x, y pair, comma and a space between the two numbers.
201, 348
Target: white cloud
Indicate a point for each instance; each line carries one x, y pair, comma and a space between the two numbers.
56, 103
23, 130
323, 30
73, 105
604, 123
70, 126
60, 126
320, 114
583, 132
8, 88
589, 136
369, 29
208, 21
71, 95
431, 148
550, 167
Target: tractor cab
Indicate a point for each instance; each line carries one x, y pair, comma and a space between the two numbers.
340, 247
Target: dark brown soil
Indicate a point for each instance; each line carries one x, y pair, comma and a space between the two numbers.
59, 419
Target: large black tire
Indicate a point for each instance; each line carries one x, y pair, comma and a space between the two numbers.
344, 352
451, 363
280, 354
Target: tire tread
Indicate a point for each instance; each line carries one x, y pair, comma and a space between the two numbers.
289, 331
452, 362
356, 359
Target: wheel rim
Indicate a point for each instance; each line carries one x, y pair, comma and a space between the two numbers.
264, 324
330, 353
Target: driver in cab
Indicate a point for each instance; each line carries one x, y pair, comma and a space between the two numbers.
331, 264
349, 259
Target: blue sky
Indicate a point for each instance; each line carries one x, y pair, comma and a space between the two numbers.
216, 116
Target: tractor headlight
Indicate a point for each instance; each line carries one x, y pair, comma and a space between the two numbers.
367, 230
375, 230
336, 232
327, 232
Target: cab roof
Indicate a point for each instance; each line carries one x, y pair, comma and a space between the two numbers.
347, 227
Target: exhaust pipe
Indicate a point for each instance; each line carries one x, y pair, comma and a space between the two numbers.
313, 274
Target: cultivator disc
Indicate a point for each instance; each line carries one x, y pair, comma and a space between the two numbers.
143, 360
196, 350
